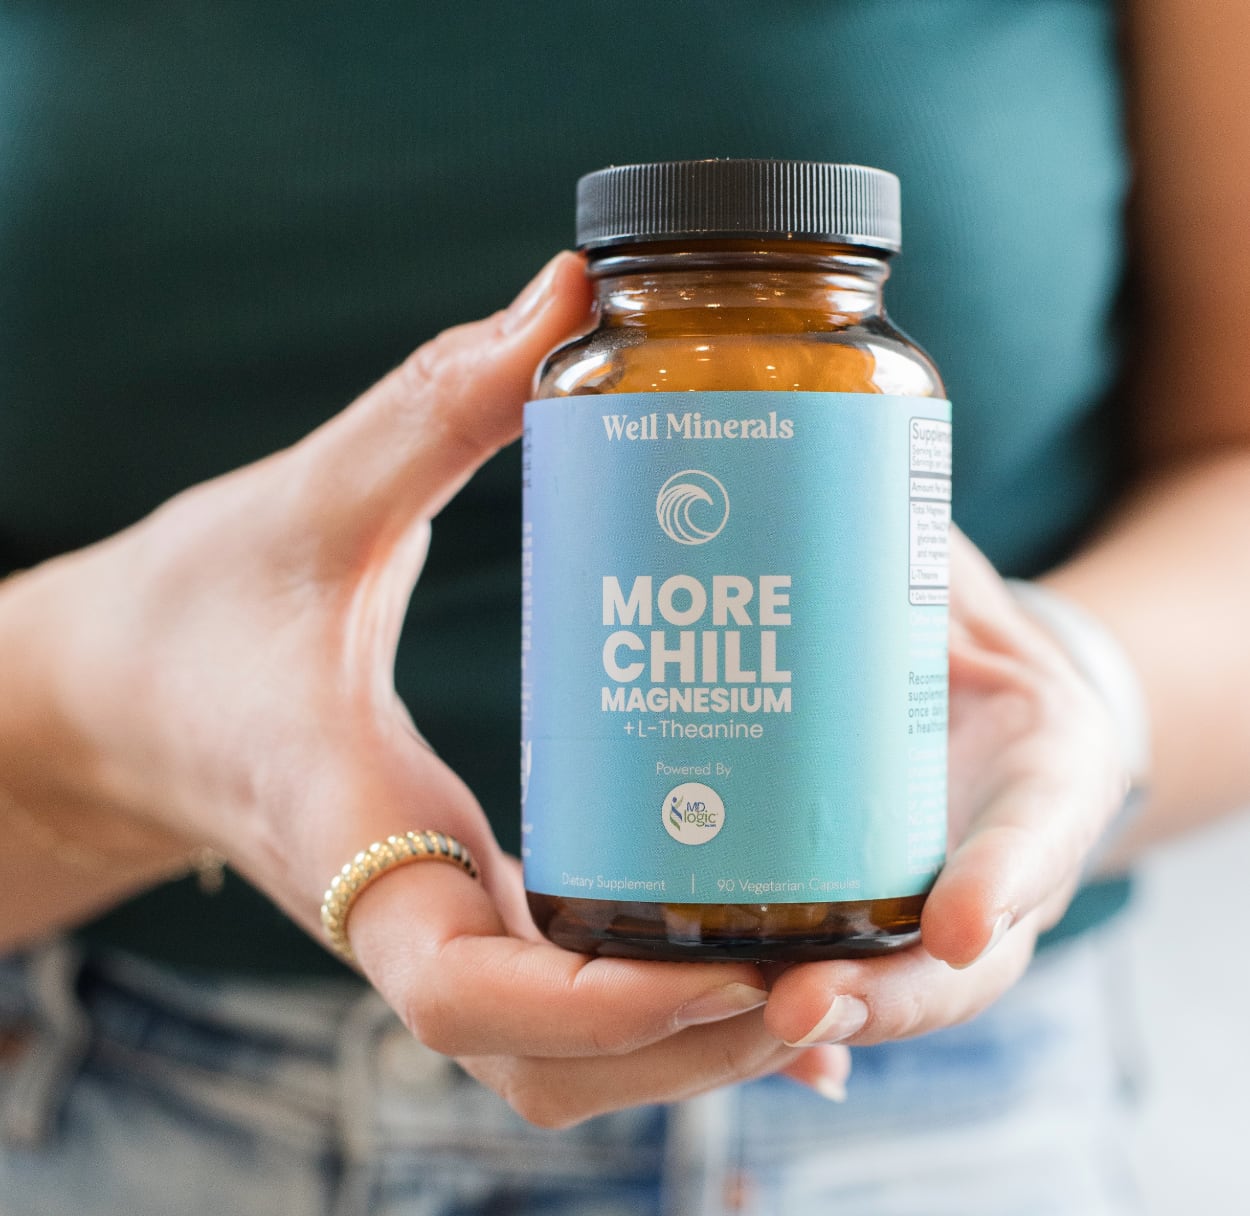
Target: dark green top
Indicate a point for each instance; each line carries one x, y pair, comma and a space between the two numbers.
220, 221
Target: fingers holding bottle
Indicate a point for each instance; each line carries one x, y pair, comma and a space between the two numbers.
223, 668
410, 442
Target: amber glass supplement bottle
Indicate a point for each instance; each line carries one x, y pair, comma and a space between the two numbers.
737, 498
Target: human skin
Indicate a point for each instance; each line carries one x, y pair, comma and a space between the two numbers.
221, 674
1168, 569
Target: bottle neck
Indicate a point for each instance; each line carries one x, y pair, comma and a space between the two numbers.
737, 286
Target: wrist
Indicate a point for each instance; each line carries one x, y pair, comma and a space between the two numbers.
58, 795
1098, 656
90, 841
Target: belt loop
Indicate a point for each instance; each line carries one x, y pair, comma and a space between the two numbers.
41, 1080
696, 1154
358, 1036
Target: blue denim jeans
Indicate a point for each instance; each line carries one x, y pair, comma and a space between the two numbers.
128, 1089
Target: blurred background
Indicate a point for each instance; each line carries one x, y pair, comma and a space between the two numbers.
1188, 972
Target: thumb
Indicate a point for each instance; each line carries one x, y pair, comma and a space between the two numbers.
411, 441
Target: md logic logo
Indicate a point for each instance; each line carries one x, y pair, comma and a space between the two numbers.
692, 507
692, 813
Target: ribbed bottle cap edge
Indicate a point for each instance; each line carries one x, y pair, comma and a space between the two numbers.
709, 199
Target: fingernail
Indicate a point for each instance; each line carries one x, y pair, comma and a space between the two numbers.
526, 304
716, 1006
827, 1087
846, 1015
1001, 925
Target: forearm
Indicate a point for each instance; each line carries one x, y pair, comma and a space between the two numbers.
1169, 575
50, 882
67, 851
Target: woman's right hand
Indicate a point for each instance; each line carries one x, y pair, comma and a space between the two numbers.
221, 674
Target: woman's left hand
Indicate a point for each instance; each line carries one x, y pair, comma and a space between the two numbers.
1036, 773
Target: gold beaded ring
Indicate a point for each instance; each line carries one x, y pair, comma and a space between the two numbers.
370, 864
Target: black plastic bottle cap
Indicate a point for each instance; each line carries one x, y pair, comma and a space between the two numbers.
709, 199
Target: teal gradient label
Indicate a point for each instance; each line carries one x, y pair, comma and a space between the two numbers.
734, 646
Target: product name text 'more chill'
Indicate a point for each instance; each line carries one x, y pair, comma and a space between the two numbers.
690, 645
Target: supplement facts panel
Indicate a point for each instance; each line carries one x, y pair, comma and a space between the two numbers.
929, 494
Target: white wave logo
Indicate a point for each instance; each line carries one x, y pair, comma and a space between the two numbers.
692, 507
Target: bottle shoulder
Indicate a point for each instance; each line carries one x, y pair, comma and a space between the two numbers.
871, 357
